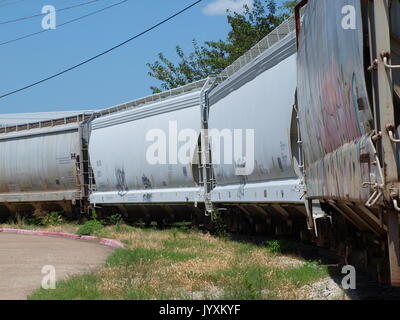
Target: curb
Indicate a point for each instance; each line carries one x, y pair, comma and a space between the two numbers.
104, 241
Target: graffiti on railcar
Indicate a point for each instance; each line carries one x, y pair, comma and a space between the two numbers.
355, 163
121, 185
334, 108
242, 187
147, 197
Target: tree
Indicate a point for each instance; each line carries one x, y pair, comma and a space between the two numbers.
210, 58
289, 6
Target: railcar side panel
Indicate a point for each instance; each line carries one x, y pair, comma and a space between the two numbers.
260, 99
121, 144
40, 165
334, 108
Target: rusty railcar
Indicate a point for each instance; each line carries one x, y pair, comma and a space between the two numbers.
349, 110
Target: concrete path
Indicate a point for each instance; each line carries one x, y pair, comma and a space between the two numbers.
22, 258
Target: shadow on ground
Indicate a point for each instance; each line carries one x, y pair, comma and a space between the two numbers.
367, 288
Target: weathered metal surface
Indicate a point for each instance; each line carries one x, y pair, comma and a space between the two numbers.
258, 98
24, 118
334, 109
39, 165
157, 97
342, 173
395, 29
118, 153
383, 41
394, 247
26, 124
384, 94
395, 18
287, 191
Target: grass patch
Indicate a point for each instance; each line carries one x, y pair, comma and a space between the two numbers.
301, 276
131, 257
90, 228
77, 288
244, 282
183, 263
281, 246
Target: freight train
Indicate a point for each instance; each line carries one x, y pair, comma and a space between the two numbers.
296, 138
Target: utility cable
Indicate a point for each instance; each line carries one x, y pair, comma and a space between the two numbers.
42, 14
102, 53
62, 24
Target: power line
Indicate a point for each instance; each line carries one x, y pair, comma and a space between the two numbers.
11, 3
42, 14
62, 24
104, 52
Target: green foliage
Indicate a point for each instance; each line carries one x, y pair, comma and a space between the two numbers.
212, 57
75, 288
281, 246
288, 6
33, 221
218, 225
94, 214
309, 272
174, 232
183, 227
89, 228
123, 228
115, 219
51, 219
87, 287
245, 283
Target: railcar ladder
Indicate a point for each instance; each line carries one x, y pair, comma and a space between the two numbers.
206, 172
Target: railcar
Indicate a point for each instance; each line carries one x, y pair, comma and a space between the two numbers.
42, 165
255, 156
146, 158
348, 102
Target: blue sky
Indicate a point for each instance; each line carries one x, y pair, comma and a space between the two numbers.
112, 79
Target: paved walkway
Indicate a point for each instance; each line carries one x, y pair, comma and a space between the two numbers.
22, 258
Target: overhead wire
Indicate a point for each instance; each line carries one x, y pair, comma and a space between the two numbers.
42, 14
104, 52
10, 3
62, 24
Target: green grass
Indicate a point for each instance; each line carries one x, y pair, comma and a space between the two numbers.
131, 257
177, 263
85, 287
308, 273
77, 288
281, 246
90, 228
244, 283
